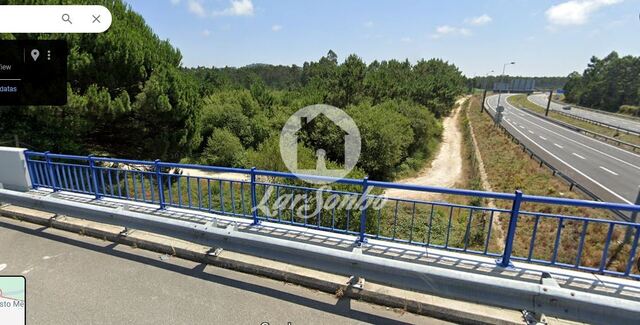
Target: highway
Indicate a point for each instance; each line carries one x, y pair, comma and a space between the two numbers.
613, 174
542, 99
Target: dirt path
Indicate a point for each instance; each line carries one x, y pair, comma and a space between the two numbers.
446, 168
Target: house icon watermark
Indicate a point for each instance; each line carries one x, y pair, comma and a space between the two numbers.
289, 142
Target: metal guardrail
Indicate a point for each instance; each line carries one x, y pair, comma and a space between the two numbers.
594, 122
455, 227
579, 129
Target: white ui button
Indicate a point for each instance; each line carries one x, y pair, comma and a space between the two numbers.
54, 19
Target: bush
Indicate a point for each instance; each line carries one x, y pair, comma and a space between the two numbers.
223, 149
630, 110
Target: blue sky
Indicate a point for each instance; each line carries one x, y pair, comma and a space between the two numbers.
544, 37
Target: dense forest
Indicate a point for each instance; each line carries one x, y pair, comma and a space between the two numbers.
611, 84
129, 96
542, 83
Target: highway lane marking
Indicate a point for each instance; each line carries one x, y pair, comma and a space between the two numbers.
568, 165
543, 138
584, 113
577, 155
557, 145
582, 144
530, 131
607, 170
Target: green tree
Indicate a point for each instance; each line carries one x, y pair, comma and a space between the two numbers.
165, 120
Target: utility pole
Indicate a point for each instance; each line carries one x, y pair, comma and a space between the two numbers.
484, 94
15, 138
546, 113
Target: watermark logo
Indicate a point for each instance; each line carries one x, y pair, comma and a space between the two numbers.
289, 142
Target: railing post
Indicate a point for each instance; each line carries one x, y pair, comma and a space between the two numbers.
511, 233
633, 218
52, 176
30, 169
160, 185
92, 167
254, 201
363, 212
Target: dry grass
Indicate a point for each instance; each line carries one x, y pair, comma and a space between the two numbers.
509, 168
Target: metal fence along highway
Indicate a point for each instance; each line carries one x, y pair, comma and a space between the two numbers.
627, 125
508, 234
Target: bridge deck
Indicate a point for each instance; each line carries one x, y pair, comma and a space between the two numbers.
575, 280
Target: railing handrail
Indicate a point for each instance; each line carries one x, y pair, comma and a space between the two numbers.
47, 173
352, 181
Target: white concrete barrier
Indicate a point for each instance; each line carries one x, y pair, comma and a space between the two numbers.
14, 174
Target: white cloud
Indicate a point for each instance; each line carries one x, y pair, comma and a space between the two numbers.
206, 33
445, 30
196, 8
406, 40
575, 12
237, 8
175, 2
368, 24
480, 20
276, 28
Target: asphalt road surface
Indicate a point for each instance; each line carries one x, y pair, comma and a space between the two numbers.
73, 279
542, 99
608, 171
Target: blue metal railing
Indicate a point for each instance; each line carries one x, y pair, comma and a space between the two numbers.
593, 245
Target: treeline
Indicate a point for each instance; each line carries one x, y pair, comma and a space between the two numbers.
608, 84
542, 83
396, 106
128, 96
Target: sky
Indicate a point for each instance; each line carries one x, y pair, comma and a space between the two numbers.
543, 37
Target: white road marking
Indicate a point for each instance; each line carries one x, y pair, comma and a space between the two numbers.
607, 170
543, 138
522, 126
568, 165
530, 131
557, 145
590, 139
577, 155
2, 266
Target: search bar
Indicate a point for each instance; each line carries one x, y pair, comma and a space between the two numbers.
54, 19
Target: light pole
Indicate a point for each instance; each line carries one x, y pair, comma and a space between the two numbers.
504, 67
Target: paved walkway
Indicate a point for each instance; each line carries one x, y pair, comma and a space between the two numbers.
72, 279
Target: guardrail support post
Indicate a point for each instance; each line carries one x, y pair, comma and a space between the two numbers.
52, 176
511, 233
363, 213
30, 168
94, 179
160, 185
254, 201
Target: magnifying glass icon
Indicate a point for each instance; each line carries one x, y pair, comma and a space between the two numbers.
66, 18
